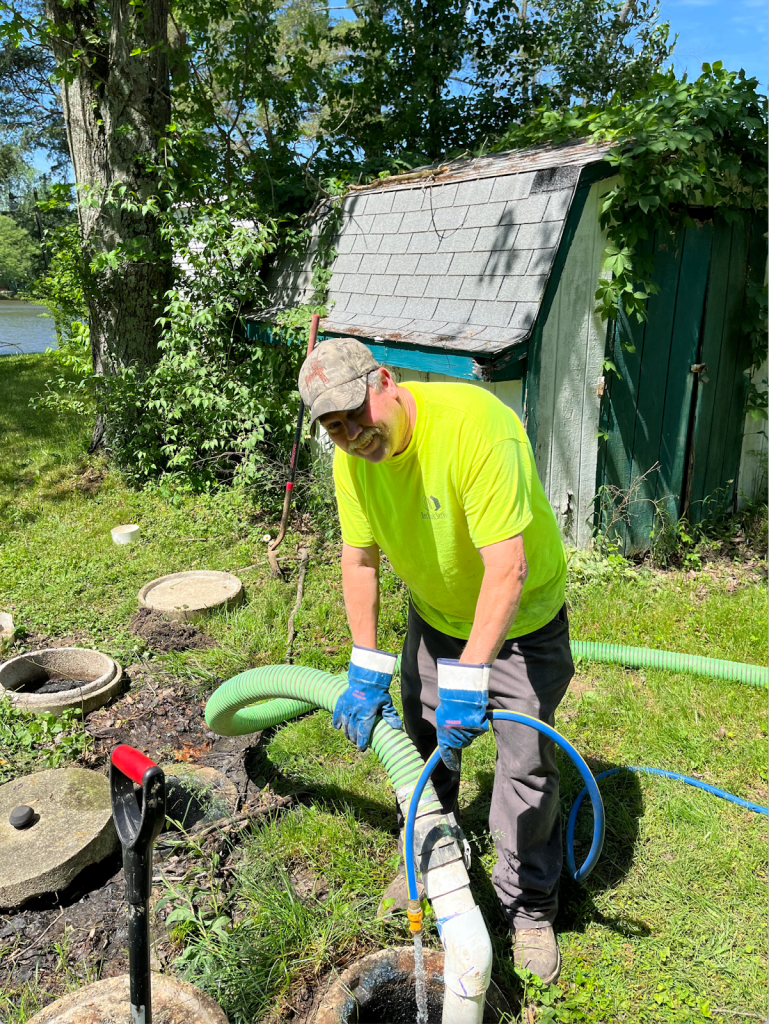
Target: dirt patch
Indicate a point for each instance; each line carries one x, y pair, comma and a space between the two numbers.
580, 684
92, 928
162, 635
159, 716
90, 480
31, 641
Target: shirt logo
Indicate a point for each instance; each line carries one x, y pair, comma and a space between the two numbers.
431, 508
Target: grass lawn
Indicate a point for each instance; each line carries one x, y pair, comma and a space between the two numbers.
670, 927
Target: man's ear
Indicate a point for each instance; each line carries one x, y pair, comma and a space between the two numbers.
390, 384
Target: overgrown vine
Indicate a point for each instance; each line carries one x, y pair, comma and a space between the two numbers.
678, 146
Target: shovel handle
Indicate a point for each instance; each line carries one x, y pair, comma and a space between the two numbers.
131, 762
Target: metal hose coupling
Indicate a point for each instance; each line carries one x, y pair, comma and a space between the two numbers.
414, 912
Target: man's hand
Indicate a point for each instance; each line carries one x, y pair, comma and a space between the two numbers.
367, 694
463, 693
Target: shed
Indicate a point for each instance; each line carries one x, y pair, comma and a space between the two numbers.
485, 270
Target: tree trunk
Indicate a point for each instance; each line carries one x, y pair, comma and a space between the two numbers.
117, 105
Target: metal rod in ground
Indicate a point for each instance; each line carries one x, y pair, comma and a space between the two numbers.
299, 594
275, 544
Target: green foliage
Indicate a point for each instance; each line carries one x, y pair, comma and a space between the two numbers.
597, 566
677, 145
60, 288
31, 741
421, 80
553, 54
246, 95
19, 254
247, 946
688, 545
218, 406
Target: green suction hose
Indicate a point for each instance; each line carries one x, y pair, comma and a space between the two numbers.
645, 657
230, 711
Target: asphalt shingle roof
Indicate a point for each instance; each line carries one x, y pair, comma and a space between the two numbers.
457, 258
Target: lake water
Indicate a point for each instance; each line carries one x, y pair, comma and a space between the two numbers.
23, 329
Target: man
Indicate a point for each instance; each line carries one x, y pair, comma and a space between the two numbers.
441, 477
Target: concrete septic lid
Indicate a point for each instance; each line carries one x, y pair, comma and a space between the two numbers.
107, 1002
103, 673
72, 830
184, 596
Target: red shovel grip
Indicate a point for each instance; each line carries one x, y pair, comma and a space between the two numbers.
131, 762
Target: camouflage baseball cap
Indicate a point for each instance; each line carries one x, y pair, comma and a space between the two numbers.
333, 376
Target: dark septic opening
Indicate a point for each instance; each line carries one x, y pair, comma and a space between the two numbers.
396, 1003
50, 682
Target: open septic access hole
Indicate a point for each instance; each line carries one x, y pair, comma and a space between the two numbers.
48, 682
58, 678
381, 989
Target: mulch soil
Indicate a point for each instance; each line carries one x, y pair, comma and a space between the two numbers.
74, 937
162, 635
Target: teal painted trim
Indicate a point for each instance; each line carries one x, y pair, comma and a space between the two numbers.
258, 331
425, 360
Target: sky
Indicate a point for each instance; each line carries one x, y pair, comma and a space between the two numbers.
732, 31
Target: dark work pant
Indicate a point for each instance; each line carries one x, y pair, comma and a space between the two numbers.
530, 675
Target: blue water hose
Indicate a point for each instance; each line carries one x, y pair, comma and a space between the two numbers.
590, 788
696, 783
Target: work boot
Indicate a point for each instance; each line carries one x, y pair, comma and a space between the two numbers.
536, 949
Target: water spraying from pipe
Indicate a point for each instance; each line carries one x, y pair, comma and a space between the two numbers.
421, 980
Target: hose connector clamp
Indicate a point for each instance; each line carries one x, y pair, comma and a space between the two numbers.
414, 912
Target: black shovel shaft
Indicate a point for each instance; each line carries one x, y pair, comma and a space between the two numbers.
137, 825
139, 949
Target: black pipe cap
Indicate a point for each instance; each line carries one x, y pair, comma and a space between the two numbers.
22, 816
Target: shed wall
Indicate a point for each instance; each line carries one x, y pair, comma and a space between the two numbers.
571, 378
752, 482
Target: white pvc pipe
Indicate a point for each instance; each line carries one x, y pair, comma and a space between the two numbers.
466, 942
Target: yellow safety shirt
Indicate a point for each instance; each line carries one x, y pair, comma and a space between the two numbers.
467, 479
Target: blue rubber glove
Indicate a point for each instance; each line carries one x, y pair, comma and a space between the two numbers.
463, 693
367, 694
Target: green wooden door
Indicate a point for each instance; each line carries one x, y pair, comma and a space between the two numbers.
673, 434
739, 251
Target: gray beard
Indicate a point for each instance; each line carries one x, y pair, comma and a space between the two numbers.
365, 438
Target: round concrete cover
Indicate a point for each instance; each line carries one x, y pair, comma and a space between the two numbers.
74, 830
107, 1002
184, 596
104, 675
